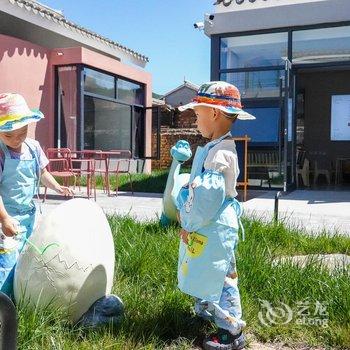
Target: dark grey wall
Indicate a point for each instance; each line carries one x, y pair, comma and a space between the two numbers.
319, 87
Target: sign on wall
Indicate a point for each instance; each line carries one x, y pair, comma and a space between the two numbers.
243, 4
229, 2
340, 118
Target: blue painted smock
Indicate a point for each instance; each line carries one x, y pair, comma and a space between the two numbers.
213, 222
18, 185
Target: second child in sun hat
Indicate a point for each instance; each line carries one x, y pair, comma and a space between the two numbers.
209, 216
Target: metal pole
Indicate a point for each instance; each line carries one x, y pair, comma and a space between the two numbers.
8, 323
277, 196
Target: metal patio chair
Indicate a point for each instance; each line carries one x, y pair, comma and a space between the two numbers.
118, 162
83, 164
303, 168
60, 166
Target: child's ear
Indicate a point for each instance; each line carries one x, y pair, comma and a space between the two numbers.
216, 113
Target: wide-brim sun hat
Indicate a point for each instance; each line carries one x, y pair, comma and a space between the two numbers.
220, 95
15, 113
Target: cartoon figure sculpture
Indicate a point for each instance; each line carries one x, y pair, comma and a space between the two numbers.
181, 152
72, 266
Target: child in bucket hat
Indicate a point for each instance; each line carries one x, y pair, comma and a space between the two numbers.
209, 216
22, 164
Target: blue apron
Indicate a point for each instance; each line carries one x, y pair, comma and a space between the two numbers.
204, 262
18, 185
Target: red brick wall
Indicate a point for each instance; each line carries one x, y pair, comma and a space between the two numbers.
186, 119
168, 138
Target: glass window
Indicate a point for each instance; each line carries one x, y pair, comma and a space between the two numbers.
99, 83
129, 92
253, 51
321, 45
263, 129
107, 125
256, 84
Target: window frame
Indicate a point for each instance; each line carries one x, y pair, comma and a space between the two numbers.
106, 98
216, 69
269, 67
80, 69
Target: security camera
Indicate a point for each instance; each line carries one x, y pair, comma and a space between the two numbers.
211, 17
199, 25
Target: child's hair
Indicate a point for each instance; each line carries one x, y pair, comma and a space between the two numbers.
230, 116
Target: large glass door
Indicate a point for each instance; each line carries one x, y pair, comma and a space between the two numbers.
107, 124
288, 135
146, 132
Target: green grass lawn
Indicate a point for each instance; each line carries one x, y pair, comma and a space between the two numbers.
159, 316
150, 183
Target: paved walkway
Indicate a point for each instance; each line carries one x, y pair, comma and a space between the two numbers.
313, 211
141, 206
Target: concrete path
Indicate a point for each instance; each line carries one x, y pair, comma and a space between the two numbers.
313, 211
141, 206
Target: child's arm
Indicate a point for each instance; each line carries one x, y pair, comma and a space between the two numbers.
7, 225
207, 192
49, 181
206, 195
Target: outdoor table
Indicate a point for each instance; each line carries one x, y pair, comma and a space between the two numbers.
89, 159
86, 167
107, 156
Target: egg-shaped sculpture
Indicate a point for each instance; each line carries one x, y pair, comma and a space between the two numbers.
69, 260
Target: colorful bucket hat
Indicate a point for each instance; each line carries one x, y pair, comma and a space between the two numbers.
220, 95
15, 113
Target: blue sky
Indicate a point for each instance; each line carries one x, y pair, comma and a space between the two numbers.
160, 29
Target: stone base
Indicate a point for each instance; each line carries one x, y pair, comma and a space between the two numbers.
329, 261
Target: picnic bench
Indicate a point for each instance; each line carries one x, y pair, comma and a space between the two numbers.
261, 163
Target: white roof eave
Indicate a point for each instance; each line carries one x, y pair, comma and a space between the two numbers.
279, 16
56, 25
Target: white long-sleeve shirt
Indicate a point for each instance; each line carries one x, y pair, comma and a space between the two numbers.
223, 158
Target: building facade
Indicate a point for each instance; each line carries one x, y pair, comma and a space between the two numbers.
291, 61
94, 92
181, 95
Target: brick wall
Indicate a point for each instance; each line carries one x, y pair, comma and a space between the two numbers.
168, 138
186, 119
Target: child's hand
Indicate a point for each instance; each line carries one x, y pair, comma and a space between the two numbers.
184, 236
66, 191
9, 227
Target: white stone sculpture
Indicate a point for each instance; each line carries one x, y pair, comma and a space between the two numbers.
76, 267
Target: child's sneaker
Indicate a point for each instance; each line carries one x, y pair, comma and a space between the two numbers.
224, 340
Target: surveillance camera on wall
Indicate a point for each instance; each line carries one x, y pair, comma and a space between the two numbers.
199, 25
211, 17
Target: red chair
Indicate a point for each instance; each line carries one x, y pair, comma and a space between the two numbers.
83, 164
118, 162
60, 165
101, 164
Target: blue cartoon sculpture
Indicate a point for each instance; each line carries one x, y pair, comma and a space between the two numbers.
181, 152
